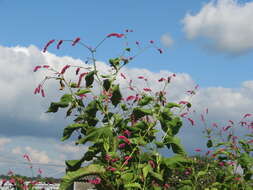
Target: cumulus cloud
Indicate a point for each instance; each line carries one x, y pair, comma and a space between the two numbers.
225, 24
3, 142
167, 40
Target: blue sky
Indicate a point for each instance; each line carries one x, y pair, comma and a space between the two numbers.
211, 44
36, 22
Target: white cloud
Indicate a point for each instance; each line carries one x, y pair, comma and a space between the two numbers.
167, 40
68, 148
3, 142
226, 24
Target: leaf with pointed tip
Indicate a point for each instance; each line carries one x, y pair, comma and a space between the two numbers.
89, 78
145, 100
82, 91
107, 84
116, 95
140, 112
93, 169
71, 128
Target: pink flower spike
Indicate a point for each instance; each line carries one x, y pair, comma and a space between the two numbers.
151, 41
124, 139
95, 181
39, 171
115, 35
183, 102
202, 118
26, 156
36, 68
226, 128
198, 150
140, 77
128, 158
130, 98
161, 79
46, 66
192, 121
107, 157
122, 145
215, 125
42, 93
75, 41
137, 43
77, 70
147, 89
206, 110
151, 163
64, 69
122, 75
251, 141
59, 44
183, 114
127, 133
12, 181
231, 122
246, 115
47, 45
160, 50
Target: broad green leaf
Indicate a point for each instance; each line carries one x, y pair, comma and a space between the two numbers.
146, 170
54, 106
82, 91
116, 95
175, 125
140, 112
66, 98
175, 161
127, 177
175, 144
73, 165
132, 185
141, 125
156, 175
107, 84
159, 144
201, 173
145, 100
70, 128
209, 143
93, 169
89, 78
96, 134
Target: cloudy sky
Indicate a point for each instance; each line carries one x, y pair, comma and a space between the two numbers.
209, 43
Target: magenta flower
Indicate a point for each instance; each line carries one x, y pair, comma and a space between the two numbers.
151, 163
64, 69
114, 160
127, 133
198, 150
192, 121
151, 41
161, 79
147, 89
107, 157
202, 118
122, 145
160, 50
95, 181
80, 78
36, 68
111, 168
26, 156
59, 44
47, 45
215, 125
250, 141
247, 115
140, 77
122, 75
39, 171
130, 98
12, 181
115, 35
77, 70
75, 41
42, 93
124, 139
183, 114
183, 102
226, 128
46, 66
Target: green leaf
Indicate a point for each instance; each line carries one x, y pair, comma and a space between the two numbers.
145, 100
175, 161
115, 63
82, 91
107, 84
96, 134
201, 173
141, 125
128, 49
116, 95
89, 78
93, 169
140, 112
146, 170
132, 185
73, 165
63, 103
127, 177
156, 175
159, 144
175, 125
71, 128
209, 143
172, 105
175, 144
